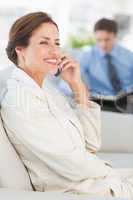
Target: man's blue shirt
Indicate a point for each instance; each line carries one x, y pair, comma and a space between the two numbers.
94, 69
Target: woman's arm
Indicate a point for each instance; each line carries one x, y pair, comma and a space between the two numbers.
90, 119
87, 112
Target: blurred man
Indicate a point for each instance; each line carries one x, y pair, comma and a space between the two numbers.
108, 67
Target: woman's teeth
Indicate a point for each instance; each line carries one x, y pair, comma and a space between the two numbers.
51, 61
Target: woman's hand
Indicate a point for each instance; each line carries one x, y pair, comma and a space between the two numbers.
70, 72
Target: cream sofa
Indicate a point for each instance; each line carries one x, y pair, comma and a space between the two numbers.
117, 139
117, 131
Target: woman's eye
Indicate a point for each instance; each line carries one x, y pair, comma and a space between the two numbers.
47, 43
58, 44
43, 42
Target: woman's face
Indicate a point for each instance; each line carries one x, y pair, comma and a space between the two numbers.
43, 52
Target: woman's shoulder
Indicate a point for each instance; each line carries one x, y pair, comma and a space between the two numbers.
17, 95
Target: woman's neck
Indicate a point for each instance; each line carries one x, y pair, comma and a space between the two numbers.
38, 77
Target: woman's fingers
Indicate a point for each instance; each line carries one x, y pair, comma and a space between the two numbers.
68, 66
67, 62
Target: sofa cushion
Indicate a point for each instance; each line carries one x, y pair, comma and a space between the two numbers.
4, 76
117, 132
118, 160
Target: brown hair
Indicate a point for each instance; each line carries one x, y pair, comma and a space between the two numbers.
106, 25
22, 30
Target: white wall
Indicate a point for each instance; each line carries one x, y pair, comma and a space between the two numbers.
72, 16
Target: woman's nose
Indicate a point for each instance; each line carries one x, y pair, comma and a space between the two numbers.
54, 51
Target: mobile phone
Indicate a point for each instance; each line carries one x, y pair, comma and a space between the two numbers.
60, 67
58, 72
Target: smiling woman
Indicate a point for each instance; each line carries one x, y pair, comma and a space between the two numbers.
34, 47
56, 141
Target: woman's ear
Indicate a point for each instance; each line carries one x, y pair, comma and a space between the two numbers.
19, 50
20, 54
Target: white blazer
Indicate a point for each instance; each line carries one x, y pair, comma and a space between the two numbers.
55, 141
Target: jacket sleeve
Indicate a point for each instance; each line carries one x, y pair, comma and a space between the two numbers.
90, 119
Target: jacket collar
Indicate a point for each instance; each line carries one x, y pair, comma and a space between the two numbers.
26, 81
102, 54
21, 76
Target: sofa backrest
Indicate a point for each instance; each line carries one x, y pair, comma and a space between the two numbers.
4, 76
117, 132
12, 172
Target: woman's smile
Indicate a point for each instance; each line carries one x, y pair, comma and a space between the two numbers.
51, 61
